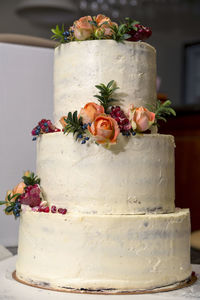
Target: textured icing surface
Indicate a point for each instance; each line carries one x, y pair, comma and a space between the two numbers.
134, 176
121, 230
101, 251
79, 66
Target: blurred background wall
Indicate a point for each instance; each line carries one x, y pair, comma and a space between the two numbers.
175, 24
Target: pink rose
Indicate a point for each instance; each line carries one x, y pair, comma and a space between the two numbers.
104, 129
141, 118
90, 111
83, 29
31, 196
104, 23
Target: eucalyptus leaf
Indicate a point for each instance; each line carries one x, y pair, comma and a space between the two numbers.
8, 209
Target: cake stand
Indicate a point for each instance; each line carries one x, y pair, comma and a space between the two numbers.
13, 290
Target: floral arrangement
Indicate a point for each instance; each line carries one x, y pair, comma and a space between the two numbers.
104, 122
44, 126
101, 27
28, 192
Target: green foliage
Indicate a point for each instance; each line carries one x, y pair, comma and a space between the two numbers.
13, 196
9, 208
121, 33
162, 110
3, 202
59, 34
93, 22
16, 196
131, 24
106, 92
32, 179
11, 205
74, 124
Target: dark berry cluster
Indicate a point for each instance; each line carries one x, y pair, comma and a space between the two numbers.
17, 209
83, 139
81, 136
122, 120
142, 33
66, 35
44, 126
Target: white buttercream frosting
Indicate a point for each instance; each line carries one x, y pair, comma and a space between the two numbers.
134, 176
121, 230
79, 66
122, 252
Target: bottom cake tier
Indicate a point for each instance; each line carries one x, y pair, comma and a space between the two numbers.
104, 252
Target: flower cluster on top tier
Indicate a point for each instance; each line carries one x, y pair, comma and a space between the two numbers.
28, 192
103, 123
101, 27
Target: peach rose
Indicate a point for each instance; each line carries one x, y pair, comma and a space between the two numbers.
104, 129
141, 118
62, 121
83, 29
90, 111
19, 189
101, 19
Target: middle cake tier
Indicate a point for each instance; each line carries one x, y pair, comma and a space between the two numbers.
135, 176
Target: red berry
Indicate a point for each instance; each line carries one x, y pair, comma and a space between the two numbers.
53, 209
62, 211
193, 273
120, 117
46, 209
117, 114
141, 33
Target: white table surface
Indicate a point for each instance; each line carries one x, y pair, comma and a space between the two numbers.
13, 290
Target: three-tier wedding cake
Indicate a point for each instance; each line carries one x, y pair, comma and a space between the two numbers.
118, 228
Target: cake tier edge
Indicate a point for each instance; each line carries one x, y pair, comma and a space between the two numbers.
123, 252
135, 176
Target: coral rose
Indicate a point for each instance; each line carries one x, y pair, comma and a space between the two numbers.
90, 111
105, 23
141, 118
104, 129
83, 29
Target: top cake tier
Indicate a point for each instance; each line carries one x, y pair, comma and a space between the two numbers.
79, 66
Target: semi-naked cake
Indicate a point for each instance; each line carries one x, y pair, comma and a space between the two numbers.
121, 231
